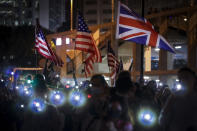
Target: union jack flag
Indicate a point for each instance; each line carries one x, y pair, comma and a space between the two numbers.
132, 27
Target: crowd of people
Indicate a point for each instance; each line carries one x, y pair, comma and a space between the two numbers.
129, 106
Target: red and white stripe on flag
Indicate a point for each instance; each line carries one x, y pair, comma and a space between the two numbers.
86, 43
44, 49
113, 63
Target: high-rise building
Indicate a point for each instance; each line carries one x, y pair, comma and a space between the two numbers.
100, 11
51, 13
18, 12
156, 5
97, 11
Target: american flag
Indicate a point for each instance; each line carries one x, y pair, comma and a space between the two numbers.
43, 47
132, 27
85, 42
113, 62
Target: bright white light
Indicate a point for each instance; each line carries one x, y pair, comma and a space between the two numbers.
185, 19
44, 77
28, 81
90, 85
25, 88
12, 73
81, 82
57, 96
17, 87
67, 40
157, 49
68, 82
157, 80
2, 80
22, 106
45, 96
160, 84
178, 47
37, 104
58, 41
27, 92
107, 78
76, 87
178, 86
177, 80
77, 97
146, 77
147, 116
57, 76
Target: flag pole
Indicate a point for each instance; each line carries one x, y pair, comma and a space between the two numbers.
73, 62
74, 67
112, 19
45, 68
36, 53
36, 60
142, 52
71, 15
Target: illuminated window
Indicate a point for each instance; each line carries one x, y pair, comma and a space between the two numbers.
155, 58
16, 23
58, 41
67, 40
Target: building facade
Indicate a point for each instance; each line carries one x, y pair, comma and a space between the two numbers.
97, 11
173, 23
18, 12
51, 13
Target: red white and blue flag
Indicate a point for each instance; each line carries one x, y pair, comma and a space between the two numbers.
112, 61
44, 48
85, 42
132, 27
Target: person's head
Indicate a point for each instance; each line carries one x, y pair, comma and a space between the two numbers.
152, 87
40, 88
187, 78
124, 74
148, 93
125, 87
99, 85
152, 84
